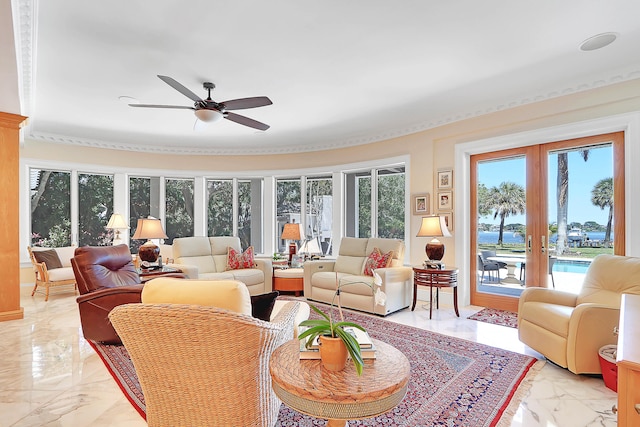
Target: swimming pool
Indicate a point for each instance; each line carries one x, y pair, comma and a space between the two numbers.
571, 266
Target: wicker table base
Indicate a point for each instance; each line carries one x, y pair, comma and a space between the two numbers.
308, 388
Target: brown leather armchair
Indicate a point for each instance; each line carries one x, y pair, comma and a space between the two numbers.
106, 278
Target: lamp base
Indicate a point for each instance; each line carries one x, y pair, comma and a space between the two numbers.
149, 252
292, 251
435, 250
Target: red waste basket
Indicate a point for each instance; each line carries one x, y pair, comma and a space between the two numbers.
607, 356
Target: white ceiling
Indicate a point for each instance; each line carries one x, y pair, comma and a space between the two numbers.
339, 72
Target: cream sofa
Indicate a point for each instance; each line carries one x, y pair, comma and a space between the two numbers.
569, 329
320, 277
206, 258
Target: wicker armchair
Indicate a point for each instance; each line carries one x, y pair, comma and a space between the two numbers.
203, 366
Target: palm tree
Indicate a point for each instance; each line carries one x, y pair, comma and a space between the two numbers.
602, 196
507, 199
562, 187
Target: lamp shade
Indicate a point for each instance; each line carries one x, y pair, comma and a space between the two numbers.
149, 228
116, 222
209, 116
434, 226
310, 246
291, 231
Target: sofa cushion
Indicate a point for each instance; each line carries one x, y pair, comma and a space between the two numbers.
248, 276
191, 247
228, 294
225, 275
62, 273
377, 259
262, 305
358, 285
551, 317
205, 263
238, 260
49, 257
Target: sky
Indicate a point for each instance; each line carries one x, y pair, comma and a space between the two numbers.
582, 178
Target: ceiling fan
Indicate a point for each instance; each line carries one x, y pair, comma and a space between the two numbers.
207, 110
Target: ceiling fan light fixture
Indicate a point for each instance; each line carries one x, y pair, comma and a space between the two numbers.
209, 116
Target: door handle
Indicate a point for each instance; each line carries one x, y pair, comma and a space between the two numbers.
529, 243
543, 248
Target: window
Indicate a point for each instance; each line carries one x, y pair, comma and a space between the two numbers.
375, 200
140, 204
178, 209
319, 208
288, 206
50, 208
247, 205
95, 193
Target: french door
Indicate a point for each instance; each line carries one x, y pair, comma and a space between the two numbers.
531, 207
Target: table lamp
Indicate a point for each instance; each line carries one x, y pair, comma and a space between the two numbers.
291, 232
116, 223
149, 228
434, 226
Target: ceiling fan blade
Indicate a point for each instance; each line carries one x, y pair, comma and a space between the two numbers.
246, 121
181, 107
242, 103
180, 88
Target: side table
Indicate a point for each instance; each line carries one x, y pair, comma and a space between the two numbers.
146, 275
308, 388
434, 278
288, 280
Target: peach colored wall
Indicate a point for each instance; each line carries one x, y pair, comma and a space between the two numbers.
429, 150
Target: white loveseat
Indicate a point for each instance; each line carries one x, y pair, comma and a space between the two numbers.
320, 277
206, 258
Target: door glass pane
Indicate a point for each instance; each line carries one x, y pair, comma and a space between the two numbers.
358, 204
95, 193
220, 207
580, 207
289, 207
391, 203
178, 209
501, 201
319, 218
249, 213
50, 208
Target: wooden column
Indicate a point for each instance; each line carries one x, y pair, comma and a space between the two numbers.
10, 125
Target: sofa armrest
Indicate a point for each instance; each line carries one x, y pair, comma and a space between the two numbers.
312, 267
266, 266
549, 296
394, 275
108, 294
590, 327
190, 270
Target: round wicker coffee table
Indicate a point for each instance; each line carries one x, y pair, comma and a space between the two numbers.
308, 388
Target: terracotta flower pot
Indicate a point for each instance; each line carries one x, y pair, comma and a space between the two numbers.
333, 353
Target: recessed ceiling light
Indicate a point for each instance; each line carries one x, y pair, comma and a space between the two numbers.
598, 41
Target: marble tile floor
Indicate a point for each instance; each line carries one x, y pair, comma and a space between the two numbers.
50, 376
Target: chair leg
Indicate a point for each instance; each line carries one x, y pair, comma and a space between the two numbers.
553, 281
34, 289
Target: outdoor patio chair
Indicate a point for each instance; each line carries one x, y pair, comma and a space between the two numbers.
489, 266
552, 261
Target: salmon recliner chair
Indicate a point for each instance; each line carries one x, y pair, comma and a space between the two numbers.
569, 329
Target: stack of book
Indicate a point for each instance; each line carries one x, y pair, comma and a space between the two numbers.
367, 348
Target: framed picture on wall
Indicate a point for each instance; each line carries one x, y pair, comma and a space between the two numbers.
421, 204
448, 219
445, 179
445, 200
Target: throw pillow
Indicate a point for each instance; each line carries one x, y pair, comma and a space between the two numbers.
49, 257
262, 305
237, 261
377, 260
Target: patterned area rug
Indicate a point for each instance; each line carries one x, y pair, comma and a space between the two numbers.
496, 317
453, 382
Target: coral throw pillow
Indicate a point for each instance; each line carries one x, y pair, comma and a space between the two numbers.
377, 260
238, 261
